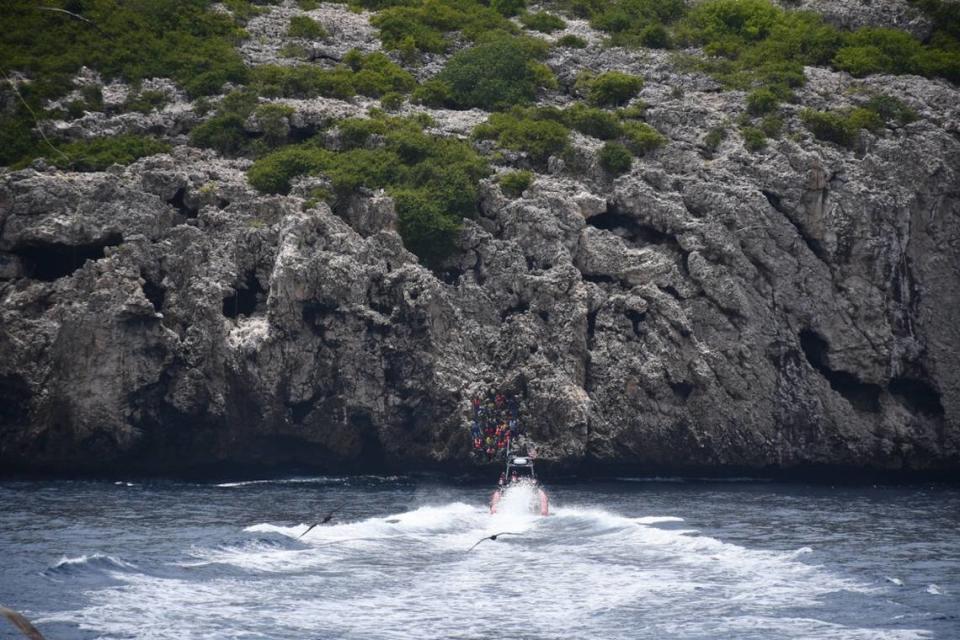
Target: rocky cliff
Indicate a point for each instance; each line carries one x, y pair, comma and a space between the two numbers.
712, 309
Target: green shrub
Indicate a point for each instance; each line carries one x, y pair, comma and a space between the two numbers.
180, 39
641, 138
890, 109
753, 138
426, 23
633, 22
354, 132
610, 89
542, 21
636, 111
508, 8
878, 50
273, 173
761, 101
225, 131
274, 122
525, 130
515, 183
714, 138
593, 122
392, 100
771, 126
571, 41
432, 180
615, 159
308, 5
306, 27
433, 93
96, 154
496, 74
841, 127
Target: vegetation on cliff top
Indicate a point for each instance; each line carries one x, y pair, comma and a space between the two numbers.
41, 50
433, 180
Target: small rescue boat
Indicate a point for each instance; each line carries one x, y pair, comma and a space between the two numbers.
520, 475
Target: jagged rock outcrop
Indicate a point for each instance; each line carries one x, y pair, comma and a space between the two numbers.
709, 310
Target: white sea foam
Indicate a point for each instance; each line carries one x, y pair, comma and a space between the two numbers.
581, 573
95, 558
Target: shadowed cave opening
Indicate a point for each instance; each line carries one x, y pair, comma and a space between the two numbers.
247, 299
917, 395
628, 228
862, 395
178, 203
55, 260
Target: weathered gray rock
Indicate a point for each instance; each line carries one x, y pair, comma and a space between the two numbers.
710, 310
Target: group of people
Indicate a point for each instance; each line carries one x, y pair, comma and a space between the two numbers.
496, 423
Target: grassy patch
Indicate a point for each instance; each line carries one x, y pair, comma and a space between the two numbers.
306, 27
542, 21
132, 40
571, 41
641, 138
372, 74
842, 127
96, 154
610, 89
536, 132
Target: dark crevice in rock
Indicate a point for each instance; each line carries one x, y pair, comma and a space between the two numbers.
774, 199
519, 308
383, 308
591, 326
669, 289
863, 396
314, 313
544, 315
597, 278
300, 410
247, 299
178, 203
52, 261
451, 276
917, 395
815, 246
681, 389
154, 293
637, 319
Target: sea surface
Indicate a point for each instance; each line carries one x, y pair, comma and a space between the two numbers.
632, 558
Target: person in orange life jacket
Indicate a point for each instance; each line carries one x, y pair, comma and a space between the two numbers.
514, 478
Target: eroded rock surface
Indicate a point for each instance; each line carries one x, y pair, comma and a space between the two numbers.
710, 310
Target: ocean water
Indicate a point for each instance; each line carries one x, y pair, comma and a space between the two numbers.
633, 558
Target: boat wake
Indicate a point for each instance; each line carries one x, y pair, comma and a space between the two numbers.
581, 570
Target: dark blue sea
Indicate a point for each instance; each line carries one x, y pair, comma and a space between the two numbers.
632, 558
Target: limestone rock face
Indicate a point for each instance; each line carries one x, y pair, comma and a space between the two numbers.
711, 310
